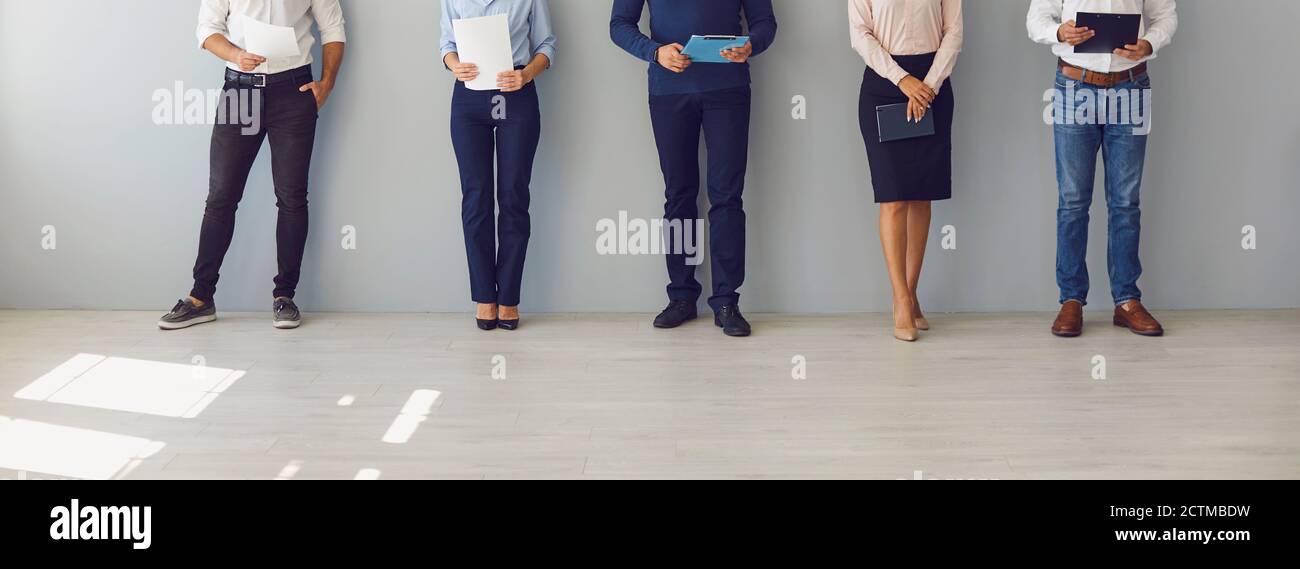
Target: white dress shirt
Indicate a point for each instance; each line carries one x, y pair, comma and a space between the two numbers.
223, 17
1159, 22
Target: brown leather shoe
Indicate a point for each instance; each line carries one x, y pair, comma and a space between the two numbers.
1069, 323
1137, 319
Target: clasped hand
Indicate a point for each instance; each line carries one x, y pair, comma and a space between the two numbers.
919, 97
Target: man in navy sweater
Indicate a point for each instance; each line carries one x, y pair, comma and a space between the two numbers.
686, 98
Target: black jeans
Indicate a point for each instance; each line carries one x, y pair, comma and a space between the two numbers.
288, 118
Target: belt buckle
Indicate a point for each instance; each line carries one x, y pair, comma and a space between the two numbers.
262, 84
1103, 80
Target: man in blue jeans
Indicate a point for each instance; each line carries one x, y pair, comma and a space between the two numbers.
686, 98
1102, 103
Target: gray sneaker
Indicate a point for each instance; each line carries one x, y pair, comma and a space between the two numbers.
185, 314
287, 315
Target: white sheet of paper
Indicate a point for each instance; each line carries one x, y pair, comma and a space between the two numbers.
270, 41
485, 42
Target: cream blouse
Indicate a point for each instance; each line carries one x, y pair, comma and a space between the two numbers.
881, 29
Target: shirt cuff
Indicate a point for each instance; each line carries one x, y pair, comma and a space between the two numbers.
896, 75
1050, 34
549, 52
206, 32
1157, 39
934, 84
333, 35
652, 55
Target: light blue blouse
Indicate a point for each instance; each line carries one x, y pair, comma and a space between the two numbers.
530, 25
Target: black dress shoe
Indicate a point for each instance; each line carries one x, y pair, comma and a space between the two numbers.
487, 324
508, 324
677, 313
731, 321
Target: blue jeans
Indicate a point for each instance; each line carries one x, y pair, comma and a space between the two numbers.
1123, 149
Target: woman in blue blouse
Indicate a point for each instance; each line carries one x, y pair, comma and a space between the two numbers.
487, 131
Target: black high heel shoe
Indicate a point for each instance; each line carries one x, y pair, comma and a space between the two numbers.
487, 324
508, 324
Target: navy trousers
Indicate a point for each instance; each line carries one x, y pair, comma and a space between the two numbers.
724, 118
494, 129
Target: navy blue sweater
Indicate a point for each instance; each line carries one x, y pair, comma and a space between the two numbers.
675, 21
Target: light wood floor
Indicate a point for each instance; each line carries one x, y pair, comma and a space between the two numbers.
105, 394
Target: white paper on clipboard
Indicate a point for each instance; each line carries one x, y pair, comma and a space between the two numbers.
485, 42
270, 41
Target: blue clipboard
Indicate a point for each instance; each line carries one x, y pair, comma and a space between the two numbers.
708, 49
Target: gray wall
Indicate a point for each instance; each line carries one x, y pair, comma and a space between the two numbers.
79, 151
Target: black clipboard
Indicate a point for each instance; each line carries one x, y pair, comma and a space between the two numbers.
1114, 31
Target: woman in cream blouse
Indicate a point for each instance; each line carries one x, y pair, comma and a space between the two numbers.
910, 48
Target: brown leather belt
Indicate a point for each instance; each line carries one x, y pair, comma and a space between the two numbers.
1106, 80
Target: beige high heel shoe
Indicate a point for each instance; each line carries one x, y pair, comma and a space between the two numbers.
906, 334
922, 323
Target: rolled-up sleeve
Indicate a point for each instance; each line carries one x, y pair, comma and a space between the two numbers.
448, 42
1162, 22
540, 34
1043, 21
329, 20
213, 15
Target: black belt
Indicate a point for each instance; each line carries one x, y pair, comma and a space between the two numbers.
301, 76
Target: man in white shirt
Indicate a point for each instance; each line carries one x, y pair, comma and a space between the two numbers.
274, 99
1096, 94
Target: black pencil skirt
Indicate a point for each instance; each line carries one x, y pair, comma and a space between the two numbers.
918, 169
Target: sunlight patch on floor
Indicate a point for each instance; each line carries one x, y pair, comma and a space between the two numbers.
416, 411
136, 386
33, 446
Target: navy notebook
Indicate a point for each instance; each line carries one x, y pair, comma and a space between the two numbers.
892, 122
1114, 31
